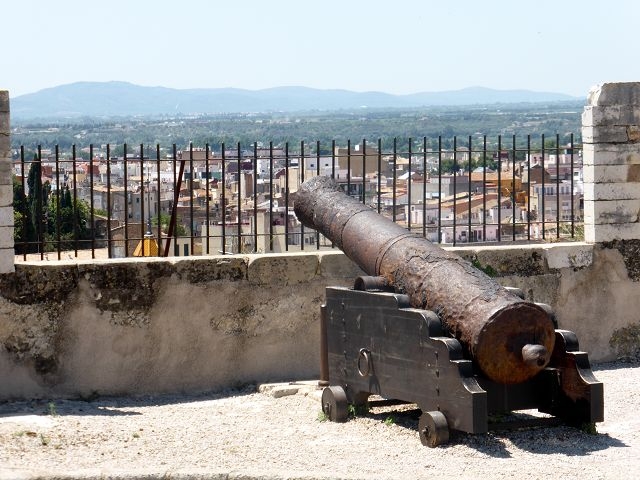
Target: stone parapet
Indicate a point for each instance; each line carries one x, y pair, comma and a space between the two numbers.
146, 326
611, 136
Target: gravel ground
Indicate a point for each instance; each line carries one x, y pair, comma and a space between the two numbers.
251, 434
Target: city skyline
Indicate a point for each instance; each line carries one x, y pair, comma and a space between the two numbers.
403, 47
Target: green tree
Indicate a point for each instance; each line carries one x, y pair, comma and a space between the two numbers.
34, 189
165, 219
67, 220
66, 198
33, 208
43, 218
23, 227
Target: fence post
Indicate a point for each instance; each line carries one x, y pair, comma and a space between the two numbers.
611, 162
6, 189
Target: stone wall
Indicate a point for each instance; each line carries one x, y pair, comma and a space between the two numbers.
77, 329
134, 326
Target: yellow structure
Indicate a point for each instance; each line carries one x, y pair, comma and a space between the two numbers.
148, 247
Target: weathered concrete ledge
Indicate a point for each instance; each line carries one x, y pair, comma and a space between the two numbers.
133, 326
73, 328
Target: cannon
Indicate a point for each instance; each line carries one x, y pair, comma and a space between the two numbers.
425, 326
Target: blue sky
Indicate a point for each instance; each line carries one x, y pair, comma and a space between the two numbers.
399, 46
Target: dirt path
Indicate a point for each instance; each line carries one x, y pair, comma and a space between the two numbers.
247, 434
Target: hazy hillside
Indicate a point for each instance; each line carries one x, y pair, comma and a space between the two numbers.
126, 99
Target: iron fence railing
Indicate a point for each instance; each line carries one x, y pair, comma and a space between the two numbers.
105, 201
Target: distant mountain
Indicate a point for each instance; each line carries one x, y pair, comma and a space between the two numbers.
107, 99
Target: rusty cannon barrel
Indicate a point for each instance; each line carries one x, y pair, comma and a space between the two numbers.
510, 340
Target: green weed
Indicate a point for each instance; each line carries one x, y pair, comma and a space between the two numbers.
488, 269
358, 410
589, 428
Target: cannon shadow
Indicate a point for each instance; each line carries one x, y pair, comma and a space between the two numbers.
543, 435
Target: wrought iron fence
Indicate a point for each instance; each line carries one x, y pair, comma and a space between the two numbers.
105, 201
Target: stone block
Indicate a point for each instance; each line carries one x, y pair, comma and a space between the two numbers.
612, 173
5, 123
608, 134
282, 269
6, 169
611, 191
611, 154
4, 102
597, 233
336, 264
6, 195
611, 211
6, 217
5, 147
633, 132
611, 115
7, 260
207, 268
6, 236
279, 390
569, 256
618, 93
506, 260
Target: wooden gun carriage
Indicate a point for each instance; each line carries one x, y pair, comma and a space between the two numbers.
377, 344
